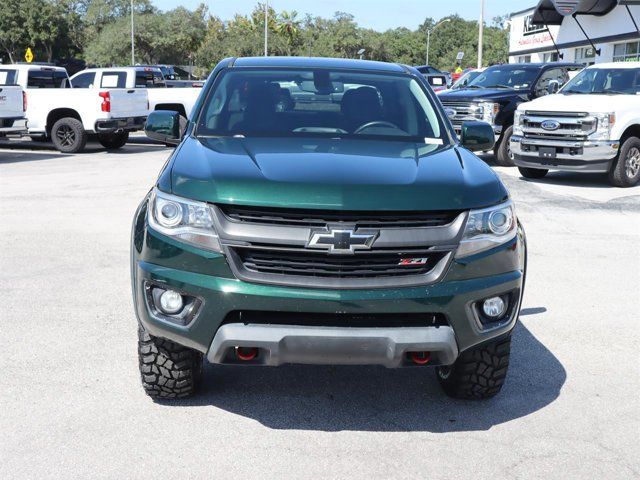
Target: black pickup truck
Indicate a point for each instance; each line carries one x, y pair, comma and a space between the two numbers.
494, 95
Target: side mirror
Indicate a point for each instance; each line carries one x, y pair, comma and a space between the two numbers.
477, 136
553, 87
165, 126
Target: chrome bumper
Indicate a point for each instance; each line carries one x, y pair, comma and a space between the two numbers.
591, 157
281, 344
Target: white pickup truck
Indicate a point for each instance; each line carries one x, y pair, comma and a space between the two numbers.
68, 116
591, 125
12, 105
181, 100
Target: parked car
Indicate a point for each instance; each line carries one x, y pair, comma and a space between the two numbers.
438, 80
357, 232
67, 116
467, 77
150, 78
592, 125
12, 104
494, 95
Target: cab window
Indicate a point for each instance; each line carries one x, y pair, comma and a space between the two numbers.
114, 80
47, 78
84, 80
8, 77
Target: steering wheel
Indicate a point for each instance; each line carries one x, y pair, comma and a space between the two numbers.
378, 123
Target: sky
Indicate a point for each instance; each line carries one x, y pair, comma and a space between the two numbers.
377, 14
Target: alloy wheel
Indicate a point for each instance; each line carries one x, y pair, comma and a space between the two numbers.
632, 163
66, 135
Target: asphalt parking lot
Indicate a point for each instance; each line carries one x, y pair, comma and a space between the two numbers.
72, 405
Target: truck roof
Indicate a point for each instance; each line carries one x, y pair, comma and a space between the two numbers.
27, 66
616, 65
120, 69
309, 62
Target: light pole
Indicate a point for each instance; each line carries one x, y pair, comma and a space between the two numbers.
133, 51
480, 33
360, 53
266, 19
429, 36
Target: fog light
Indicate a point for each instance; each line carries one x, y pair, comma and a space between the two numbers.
171, 302
494, 307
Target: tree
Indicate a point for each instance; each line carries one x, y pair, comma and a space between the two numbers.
13, 36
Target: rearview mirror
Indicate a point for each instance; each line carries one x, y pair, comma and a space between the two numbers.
165, 126
477, 136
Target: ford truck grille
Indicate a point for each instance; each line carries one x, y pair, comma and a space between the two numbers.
459, 112
558, 125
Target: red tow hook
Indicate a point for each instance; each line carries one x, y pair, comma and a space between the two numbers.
420, 358
246, 354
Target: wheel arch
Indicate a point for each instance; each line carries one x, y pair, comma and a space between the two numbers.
59, 113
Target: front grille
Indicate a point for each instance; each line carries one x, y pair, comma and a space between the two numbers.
572, 125
372, 264
464, 111
320, 218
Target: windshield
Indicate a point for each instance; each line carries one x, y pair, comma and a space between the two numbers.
332, 103
605, 81
517, 78
466, 79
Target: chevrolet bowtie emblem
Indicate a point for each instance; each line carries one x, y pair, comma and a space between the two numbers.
341, 241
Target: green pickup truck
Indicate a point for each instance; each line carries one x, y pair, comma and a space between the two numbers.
323, 211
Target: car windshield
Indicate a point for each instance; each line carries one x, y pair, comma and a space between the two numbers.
517, 78
334, 103
605, 81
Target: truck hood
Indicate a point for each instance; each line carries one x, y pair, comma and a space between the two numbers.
482, 95
332, 173
580, 103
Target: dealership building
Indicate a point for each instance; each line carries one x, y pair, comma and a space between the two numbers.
587, 32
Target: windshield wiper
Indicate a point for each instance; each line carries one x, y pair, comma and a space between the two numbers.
500, 86
613, 92
475, 86
576, 92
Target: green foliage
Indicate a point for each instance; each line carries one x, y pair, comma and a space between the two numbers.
99, 31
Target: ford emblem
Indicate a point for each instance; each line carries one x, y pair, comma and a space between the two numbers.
550, 125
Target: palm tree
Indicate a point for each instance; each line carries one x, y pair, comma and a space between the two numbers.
289, 26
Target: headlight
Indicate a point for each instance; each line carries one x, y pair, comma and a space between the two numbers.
489, 111
605, 122
488, 228
185, 220
517, 123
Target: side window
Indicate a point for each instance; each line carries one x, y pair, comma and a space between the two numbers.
84, 80
114, 80
558, 75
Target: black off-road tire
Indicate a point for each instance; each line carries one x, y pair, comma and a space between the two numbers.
533, 172
113, 141
168, 370
625, 170
68, 135
502, 150
478, 373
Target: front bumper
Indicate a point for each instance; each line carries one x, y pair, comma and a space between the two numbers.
334, 345
215, 329
128, 124
585, 156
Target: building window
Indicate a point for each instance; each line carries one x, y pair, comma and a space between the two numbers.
524, 59
626, 52
585, 55
550, 57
